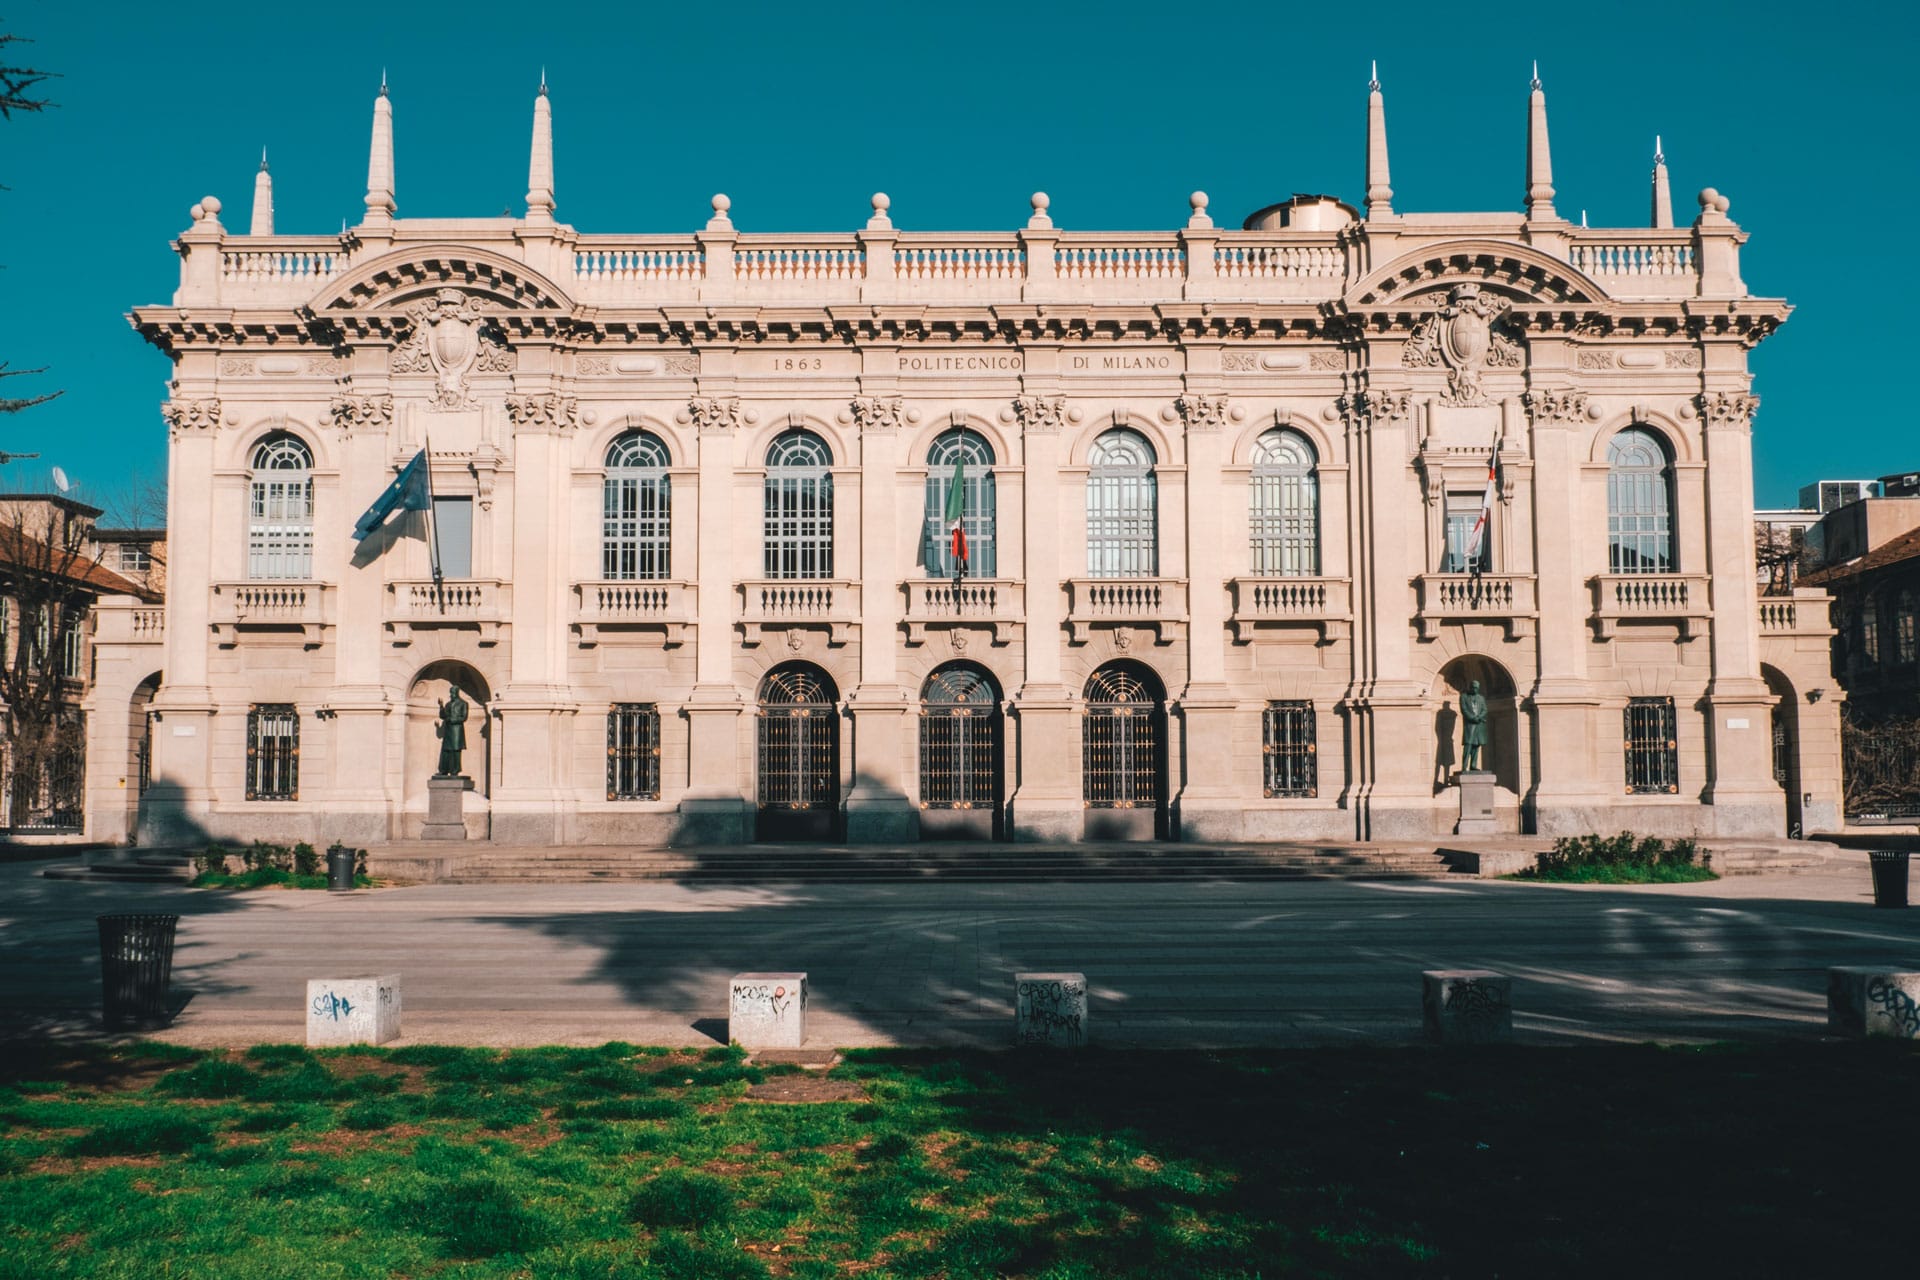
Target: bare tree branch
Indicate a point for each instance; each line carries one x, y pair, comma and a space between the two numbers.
11, 405
17, 83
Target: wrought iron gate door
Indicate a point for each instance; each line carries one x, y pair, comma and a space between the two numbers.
1123, 740
799, 756
1881, 767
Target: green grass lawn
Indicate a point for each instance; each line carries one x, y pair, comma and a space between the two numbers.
1786, 1160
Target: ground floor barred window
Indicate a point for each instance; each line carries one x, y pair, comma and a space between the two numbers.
273, 752
633, 751
959, 741
1291, 763
1652, 746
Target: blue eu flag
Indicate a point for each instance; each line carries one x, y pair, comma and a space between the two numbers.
408, 492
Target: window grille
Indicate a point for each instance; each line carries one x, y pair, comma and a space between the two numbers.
273, 752
1463, 512
636, 510
49, 794
1639, 504
799, 510
633, 751
1652, 747
799, 741
1285, 507
1903, 637
280, 523
1290, 754
1122, 508
146, 752
1870, 631
1121, 735
977, 513
959, 740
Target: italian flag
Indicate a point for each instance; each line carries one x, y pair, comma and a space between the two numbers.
1477, 542
956, 509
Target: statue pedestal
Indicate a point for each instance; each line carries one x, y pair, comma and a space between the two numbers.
1476, 804
445, 798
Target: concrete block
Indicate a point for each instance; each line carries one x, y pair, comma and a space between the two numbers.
1467, 1006
353, 1010
1487, 863
446, 802
1868, 1001
1050, 1009
1477, 791
767, 1010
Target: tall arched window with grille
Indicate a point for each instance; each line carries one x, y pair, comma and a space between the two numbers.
799, 753
1639, 504
959, 739
636, 510
1122, 507
975, 458
280, 513
799, 514
1123, 739
1285, 506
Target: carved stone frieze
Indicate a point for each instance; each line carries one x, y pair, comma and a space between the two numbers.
1239, 361
358, 413
1688, 358
1463, 338
1595, 359
685, 366
1728, 409
448, 337
591, 366
543, 413
1556, 405
879, 415
237, 367
1041, 415
715, 417
1327, 361
1202, 413
184, 416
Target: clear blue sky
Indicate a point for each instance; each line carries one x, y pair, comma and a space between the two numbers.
1804, 116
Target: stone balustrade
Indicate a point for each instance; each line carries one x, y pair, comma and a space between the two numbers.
1806, 612
278, 269
611, 609
1506, 598
1159, 603
271, 606
1326, 604
1681, 598
1638, 263
126, 620
475, 604
972, 602
796, 603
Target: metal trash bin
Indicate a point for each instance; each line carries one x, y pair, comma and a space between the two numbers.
1889, 877
339, 868
136, 964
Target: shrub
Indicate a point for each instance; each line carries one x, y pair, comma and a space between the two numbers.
1622, 858
306, 862
211, 862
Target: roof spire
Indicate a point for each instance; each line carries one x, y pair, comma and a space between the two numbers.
540, 162
1379, 183
1662, 194
1539, 156
262, 200
380, 204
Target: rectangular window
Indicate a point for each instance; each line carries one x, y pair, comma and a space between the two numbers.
453, 535
1652, 746
134, 558
1903, 637
273, 752
1463, 512
799, 524
635, 528
280, 530
1122, 525
633, 751
1292, 762
73, 652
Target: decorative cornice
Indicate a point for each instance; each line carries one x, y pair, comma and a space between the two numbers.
184, 416
357, 413
1728, 409
543, 413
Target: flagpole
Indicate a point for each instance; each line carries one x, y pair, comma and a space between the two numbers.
433, 530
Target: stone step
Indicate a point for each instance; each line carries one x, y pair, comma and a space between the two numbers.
116, 873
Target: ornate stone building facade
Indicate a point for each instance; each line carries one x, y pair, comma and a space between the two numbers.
1219, 493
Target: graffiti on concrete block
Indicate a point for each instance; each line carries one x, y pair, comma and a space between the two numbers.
1051, 1011
331, 1004
1895, 1006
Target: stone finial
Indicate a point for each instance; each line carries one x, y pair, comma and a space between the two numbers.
540, 161
1198, 219
207, 211
1662, 194
1379, 182
719, 221
1040, 221
1539, 156
380, 206
262, 200
1713, 205
880, 221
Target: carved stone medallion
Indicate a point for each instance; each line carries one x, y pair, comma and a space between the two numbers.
1461, 337
448, 339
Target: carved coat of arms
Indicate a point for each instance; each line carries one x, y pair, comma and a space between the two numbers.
1463, 336
449, 340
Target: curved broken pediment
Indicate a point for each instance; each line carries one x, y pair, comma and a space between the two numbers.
1519, 273
412, 274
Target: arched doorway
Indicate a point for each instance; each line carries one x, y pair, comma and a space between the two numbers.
799, 755
421, 753
960, 775
1504, 749
1785, 723
1123, 765
140, 744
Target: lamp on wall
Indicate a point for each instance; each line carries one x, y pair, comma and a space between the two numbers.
1814, 695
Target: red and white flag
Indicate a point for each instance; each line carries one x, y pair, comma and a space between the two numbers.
956, 516
1477, 540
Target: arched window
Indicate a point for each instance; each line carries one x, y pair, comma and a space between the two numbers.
959, 740
799, 742
1903, 628
1122, 508
1870, 630
799, 518
1285, 507
1123, 739
280, 515
970, 452
1639, 504
636, 509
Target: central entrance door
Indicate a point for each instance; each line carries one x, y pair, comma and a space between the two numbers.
960, 755
799, 756
1124, 754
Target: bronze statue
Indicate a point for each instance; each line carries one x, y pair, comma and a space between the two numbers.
1473, 726
452, 730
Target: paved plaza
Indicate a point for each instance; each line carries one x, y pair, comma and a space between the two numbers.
1189, 963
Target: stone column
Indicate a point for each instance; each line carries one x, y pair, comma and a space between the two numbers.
877, 807
181, 795
1208, 802
1046, 801
714, 809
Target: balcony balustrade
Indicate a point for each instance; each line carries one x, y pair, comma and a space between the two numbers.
1680, 598
1442, 598
609, 610
789, 603
1268, 603
125, 620
474, 604
1807, 612
270, 606
1159, 603
979, 602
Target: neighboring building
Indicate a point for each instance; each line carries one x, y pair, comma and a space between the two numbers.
1830, 495
1905, 484
138, 555
1220, 497
51, 583
1784, 547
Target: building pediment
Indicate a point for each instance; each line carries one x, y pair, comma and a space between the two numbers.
1522, 275
408, 276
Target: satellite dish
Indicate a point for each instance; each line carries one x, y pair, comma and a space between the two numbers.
60, 480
